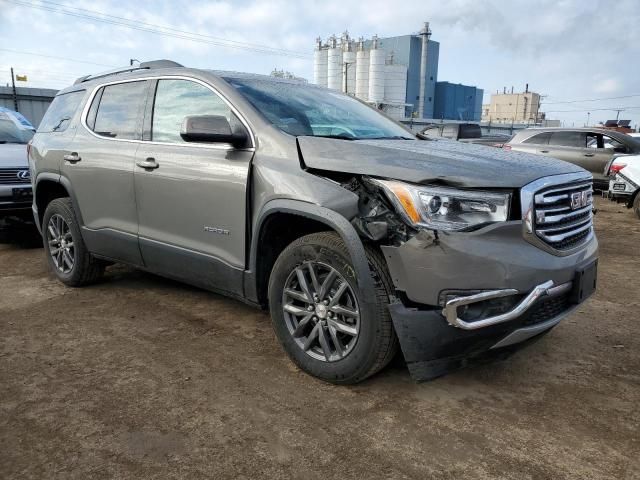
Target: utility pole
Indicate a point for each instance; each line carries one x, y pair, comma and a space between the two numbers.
618, 113
15, 94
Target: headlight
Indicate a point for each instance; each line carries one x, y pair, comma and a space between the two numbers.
440, 208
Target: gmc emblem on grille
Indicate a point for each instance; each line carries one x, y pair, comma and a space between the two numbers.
581, 199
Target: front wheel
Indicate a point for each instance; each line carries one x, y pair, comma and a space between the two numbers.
317, 310
636, 205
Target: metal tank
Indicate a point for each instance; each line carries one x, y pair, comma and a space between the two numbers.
334, 65
349, 65
362, 71
320, 64
377, 57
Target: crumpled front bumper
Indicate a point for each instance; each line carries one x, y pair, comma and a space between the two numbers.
434, 277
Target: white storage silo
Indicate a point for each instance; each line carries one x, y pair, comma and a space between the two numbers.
320, 64
334, 65
377, 57
362, 72
349, 75
395, 89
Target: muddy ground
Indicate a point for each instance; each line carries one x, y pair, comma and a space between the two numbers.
141, 377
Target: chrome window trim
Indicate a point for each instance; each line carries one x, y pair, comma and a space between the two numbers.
221, 146
527, 201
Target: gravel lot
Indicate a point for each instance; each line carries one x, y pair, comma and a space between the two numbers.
147, 378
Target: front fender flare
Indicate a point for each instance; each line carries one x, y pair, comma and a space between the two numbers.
333, 220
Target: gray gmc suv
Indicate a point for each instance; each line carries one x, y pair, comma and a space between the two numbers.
356, 236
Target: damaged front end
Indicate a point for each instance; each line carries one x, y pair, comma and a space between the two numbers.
467, 286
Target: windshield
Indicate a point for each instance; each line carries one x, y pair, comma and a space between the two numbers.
11, 133
298, 109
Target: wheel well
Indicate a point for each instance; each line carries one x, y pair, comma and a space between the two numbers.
46, 191
277, 232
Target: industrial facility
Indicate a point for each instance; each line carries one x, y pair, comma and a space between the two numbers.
398, 75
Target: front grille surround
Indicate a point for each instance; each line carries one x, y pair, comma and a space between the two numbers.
548, 219
9, 176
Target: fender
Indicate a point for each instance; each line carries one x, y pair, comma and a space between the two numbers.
64, 181
333, 220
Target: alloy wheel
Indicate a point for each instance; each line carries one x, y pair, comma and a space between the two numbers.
321, 311
60, 241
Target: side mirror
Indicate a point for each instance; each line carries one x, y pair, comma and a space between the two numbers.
210, 128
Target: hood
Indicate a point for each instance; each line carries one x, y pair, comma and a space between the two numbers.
13, 155
444, 162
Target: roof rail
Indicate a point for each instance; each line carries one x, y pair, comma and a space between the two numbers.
131, 68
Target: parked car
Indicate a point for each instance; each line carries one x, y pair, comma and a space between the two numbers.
353, 233
624, 181
15, 179
590, 148
463, 132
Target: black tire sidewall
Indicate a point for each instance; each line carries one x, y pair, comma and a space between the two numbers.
360, 359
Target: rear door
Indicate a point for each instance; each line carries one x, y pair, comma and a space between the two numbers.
100, 169
191, 197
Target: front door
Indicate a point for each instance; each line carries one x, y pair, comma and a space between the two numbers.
191, 197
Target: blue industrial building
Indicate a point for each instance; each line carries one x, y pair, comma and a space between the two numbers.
407, 50
457, 102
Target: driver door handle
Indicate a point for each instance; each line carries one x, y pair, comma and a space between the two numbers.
148, 163
544, 151
72, 157
589, 154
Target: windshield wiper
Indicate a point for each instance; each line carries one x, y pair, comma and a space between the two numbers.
339, 137
395, 137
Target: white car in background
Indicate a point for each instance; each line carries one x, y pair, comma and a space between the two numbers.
624, 181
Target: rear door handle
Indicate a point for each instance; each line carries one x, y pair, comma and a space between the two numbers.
148, 163
544, 151
589, 154
72, 157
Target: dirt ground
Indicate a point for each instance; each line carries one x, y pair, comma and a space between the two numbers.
141, 377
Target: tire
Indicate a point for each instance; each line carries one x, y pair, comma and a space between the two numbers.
358, 357
636, 205
84, 268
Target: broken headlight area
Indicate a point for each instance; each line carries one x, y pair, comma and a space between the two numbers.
377, 220
444, 208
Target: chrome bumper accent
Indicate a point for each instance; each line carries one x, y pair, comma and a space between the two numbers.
450, 310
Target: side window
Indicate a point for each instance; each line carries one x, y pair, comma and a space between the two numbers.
569, 139
609, 142
539, 139
119, 111
177, 99
60, 112
450, 131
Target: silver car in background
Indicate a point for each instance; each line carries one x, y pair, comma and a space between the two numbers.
589, 148
15, 180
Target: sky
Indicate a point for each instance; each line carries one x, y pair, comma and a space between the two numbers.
570, 51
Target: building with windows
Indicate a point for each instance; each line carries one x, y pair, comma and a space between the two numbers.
513, 107
457, 102
398, 75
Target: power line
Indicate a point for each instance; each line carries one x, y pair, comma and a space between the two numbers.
166, 31
592, 99
22, 52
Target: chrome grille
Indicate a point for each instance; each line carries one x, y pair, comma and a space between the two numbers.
562, 215
9, 176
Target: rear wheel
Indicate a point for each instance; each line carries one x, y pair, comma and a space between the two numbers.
317, 310
66, 252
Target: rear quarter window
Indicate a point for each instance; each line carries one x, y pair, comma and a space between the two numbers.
539, 139
60, 112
